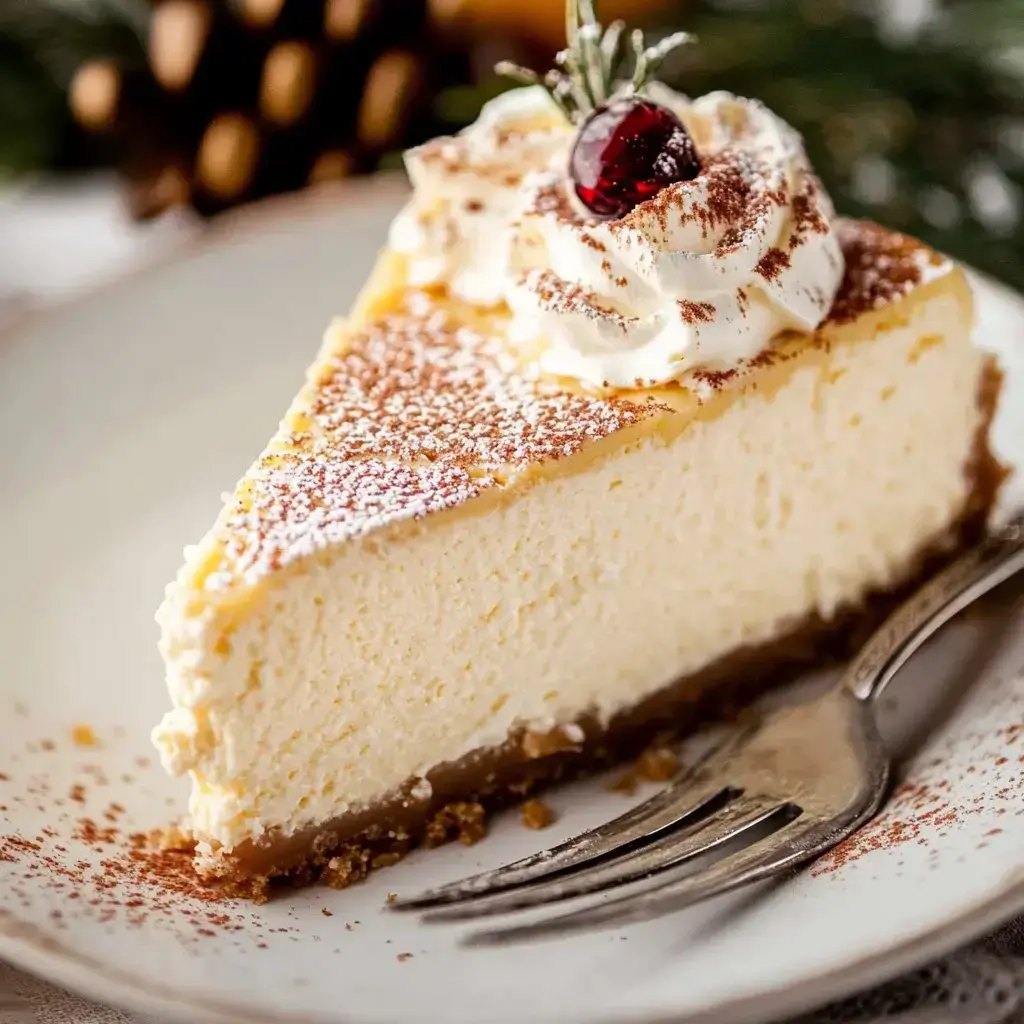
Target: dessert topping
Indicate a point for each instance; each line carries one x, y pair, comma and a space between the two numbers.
627, 153
467, 192
700, 277
627, 260
627, 148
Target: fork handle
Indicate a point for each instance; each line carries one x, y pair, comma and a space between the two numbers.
993, 561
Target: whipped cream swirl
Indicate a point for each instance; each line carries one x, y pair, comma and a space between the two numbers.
700, 278
469, 188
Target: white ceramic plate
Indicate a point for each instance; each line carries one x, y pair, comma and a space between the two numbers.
124, 416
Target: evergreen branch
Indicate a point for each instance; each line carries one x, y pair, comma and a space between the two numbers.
560, 89
640, 67
572, 22
611, 51
517, 73
654, 56
575, 85
930, 105
590, 62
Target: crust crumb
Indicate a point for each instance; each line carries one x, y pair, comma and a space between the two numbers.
466, 822
172, 837
345, 868
626, 784
536, 814
657, 764
82, 735
386, 860
561, 738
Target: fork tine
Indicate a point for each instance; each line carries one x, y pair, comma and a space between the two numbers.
684, 799
794, 843
672, 847
677, 804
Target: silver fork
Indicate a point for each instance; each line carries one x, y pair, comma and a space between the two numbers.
778, 793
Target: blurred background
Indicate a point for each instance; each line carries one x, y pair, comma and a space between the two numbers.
122, 118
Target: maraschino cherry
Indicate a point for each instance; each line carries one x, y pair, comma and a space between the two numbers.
627, 152
627, 148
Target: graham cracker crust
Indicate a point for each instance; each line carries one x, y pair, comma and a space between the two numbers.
343, 851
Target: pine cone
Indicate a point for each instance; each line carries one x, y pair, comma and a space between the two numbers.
241, 100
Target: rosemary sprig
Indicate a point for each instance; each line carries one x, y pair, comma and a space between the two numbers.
649, 59
587, 72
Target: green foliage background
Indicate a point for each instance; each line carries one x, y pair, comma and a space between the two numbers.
921, 128
42, 43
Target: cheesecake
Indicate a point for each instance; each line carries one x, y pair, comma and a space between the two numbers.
565, 481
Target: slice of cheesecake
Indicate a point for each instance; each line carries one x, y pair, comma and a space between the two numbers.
446, 580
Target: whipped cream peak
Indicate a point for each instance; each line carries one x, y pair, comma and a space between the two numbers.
700, 277
468, 189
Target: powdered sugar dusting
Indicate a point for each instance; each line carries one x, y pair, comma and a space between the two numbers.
881, 267
305, 504
417, 415
557, 296
613, 301
413, 388
420, 414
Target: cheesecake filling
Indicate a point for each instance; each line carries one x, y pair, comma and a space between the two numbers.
563, 477
703, 276
341, 673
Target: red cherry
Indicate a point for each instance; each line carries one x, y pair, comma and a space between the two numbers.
628, 152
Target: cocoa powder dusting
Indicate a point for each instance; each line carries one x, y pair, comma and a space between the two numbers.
553, 198
127, 878
881, 267
772, 264
415, 416
715, 379
914, 809
93, 867
929, 804
591, 242
560, 296
730, 242
696, 312
419, 414
808, 218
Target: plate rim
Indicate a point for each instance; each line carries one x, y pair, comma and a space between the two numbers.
223, 231
27, 947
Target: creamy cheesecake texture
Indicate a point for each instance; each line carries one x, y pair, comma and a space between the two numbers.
437, 551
